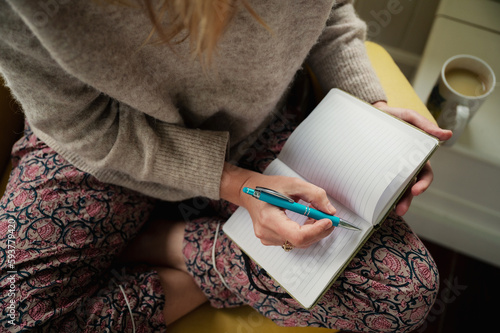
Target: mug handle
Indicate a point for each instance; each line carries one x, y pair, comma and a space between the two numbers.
461, 119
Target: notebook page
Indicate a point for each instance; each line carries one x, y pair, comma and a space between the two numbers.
401, 173
304, 273
349, 148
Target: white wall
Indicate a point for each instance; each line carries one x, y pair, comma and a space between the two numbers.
401, 26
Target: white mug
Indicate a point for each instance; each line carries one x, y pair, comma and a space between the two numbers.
463, 85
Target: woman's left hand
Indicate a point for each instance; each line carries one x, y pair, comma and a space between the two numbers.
424, 178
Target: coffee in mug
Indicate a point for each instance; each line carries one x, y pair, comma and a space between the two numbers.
464, 84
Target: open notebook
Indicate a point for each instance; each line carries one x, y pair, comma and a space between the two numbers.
364, 159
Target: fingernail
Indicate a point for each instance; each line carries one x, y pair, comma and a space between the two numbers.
331, 208
327, 225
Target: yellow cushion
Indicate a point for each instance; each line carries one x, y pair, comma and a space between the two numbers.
242, 319
399, 91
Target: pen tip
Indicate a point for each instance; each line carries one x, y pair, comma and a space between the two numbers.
348, 225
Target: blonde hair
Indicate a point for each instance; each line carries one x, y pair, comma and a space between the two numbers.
204, 22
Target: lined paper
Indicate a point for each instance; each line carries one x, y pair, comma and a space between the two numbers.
356, 161
362, 157
304, 273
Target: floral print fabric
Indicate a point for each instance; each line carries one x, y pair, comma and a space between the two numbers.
389, 286
69, 228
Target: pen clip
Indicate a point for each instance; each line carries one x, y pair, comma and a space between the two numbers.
274, 193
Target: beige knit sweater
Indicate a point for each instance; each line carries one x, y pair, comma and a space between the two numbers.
149, 118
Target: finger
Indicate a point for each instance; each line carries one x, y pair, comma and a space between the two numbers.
425, 124
405, 201
279, 228
324, 234
404, 204
312, 194
320, 236
273, 227
419, 121
302, 236
309, 221
267, 225
424, 180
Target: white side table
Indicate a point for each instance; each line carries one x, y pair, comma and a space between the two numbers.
461, 210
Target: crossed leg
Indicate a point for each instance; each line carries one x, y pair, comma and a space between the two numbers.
69, 228
160, 245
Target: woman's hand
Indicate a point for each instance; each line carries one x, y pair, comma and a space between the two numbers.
271, 224
424, 178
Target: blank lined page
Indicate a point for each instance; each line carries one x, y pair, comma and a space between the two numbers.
304, 273
352, 150
356, 153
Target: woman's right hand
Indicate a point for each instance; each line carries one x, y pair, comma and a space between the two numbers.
271, 225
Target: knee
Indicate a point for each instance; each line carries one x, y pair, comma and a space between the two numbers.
421, 299
406, 308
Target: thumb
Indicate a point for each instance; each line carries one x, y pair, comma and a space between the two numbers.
321, 225
324, 224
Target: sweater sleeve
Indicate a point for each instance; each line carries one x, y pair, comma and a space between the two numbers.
339, 59
100, 135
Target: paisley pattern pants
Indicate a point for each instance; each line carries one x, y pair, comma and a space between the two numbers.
61, 231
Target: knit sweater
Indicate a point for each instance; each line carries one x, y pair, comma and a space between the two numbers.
149, 117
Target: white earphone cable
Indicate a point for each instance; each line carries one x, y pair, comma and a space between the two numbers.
215, 266
128, 305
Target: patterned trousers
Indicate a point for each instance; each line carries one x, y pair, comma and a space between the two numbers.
61, 231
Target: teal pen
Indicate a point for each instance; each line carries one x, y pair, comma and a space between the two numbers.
280, 200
